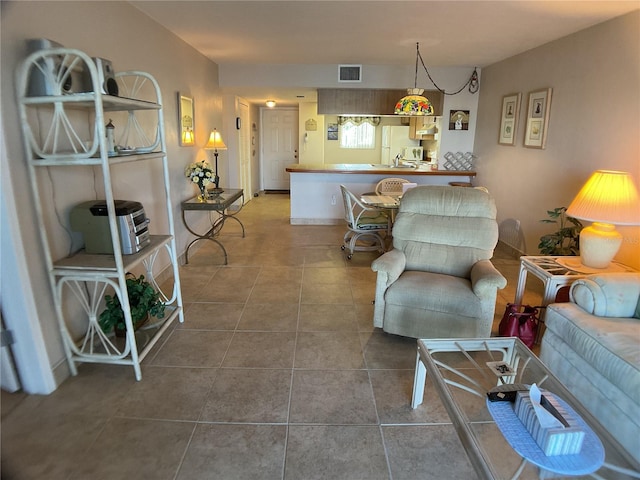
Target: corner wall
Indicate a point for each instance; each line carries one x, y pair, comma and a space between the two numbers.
132, 41
594, 124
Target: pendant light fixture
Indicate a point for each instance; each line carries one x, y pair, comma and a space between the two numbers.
414, 103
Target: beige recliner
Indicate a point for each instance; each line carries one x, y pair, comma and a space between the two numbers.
438, 281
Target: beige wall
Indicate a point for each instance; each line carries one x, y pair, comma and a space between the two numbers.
594, 124
132, 41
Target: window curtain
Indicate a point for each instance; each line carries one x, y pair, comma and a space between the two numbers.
375, 121
358, 132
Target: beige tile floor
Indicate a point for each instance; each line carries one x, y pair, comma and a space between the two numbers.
277, 373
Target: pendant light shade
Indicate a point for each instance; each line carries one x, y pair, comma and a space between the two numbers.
414, 103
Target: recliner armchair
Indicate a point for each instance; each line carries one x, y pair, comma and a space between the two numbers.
438, 280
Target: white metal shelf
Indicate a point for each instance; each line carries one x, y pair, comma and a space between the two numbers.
65, 159
106, 263
55, 134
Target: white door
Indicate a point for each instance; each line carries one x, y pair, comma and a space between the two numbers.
244, 149
280, 146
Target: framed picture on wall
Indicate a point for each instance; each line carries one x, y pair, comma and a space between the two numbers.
186, 122
509, 119
458, 119
535, 135
332, 131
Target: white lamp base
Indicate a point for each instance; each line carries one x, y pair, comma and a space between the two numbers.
599, 243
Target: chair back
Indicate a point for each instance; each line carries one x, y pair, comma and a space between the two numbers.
350, 203
445, 229
361, 217
390, 186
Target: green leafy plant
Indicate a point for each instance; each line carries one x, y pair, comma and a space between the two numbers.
564, 241
143, 300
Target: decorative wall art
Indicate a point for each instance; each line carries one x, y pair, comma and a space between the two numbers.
535, 135
509, 119
332, 131
186, 121
458, 119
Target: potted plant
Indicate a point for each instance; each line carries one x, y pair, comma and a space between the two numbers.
566, 240
144, 300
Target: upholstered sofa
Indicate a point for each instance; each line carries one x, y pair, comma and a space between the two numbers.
592, 344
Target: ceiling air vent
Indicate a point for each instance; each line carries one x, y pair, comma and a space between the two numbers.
349, 73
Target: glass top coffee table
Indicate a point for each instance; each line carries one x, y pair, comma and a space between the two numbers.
459, 372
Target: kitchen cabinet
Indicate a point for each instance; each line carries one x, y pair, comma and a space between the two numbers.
65, 129
357, 101
364, 101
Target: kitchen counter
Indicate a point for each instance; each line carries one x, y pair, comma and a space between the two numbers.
316, 198
369, 168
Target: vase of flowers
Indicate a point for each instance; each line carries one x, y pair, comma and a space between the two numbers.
200, 173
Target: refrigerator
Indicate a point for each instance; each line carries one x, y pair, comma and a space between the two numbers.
395, 139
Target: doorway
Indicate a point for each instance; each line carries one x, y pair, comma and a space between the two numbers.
279, 146
244, 150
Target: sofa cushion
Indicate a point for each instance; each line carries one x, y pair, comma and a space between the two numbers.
610, 345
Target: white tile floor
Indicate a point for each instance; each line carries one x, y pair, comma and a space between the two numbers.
277, 373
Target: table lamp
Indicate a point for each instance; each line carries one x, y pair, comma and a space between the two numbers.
216, 143
606, 199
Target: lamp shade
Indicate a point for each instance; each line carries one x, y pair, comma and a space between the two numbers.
215, 141
414, 103
608, 196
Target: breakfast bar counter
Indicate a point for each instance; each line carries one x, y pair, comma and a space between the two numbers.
370, 168
316, 198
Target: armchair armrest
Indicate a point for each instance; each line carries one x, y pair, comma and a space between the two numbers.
389, 267
486, 279
391, 264
607, 294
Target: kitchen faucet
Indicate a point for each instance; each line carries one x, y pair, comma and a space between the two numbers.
396, 161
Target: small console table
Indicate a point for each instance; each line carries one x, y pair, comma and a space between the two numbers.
215, 203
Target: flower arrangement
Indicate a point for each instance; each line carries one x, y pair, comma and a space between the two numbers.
201, 174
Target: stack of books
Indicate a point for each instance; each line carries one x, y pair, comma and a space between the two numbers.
565, 439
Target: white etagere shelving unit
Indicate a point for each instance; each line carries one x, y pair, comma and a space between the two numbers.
67, 130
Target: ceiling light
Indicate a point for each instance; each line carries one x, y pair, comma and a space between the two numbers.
414, 103
271, 103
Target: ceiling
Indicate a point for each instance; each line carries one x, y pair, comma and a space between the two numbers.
454, 33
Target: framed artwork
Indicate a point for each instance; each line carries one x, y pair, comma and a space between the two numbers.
535, 135
458, 119
509, 119
332, 131
186, 122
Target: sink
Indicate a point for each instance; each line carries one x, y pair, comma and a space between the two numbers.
402, 166
382, 165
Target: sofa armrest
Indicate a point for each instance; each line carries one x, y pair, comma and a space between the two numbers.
486, 279
607, 294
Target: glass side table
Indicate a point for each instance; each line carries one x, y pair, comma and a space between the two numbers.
220, 203
556, 272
